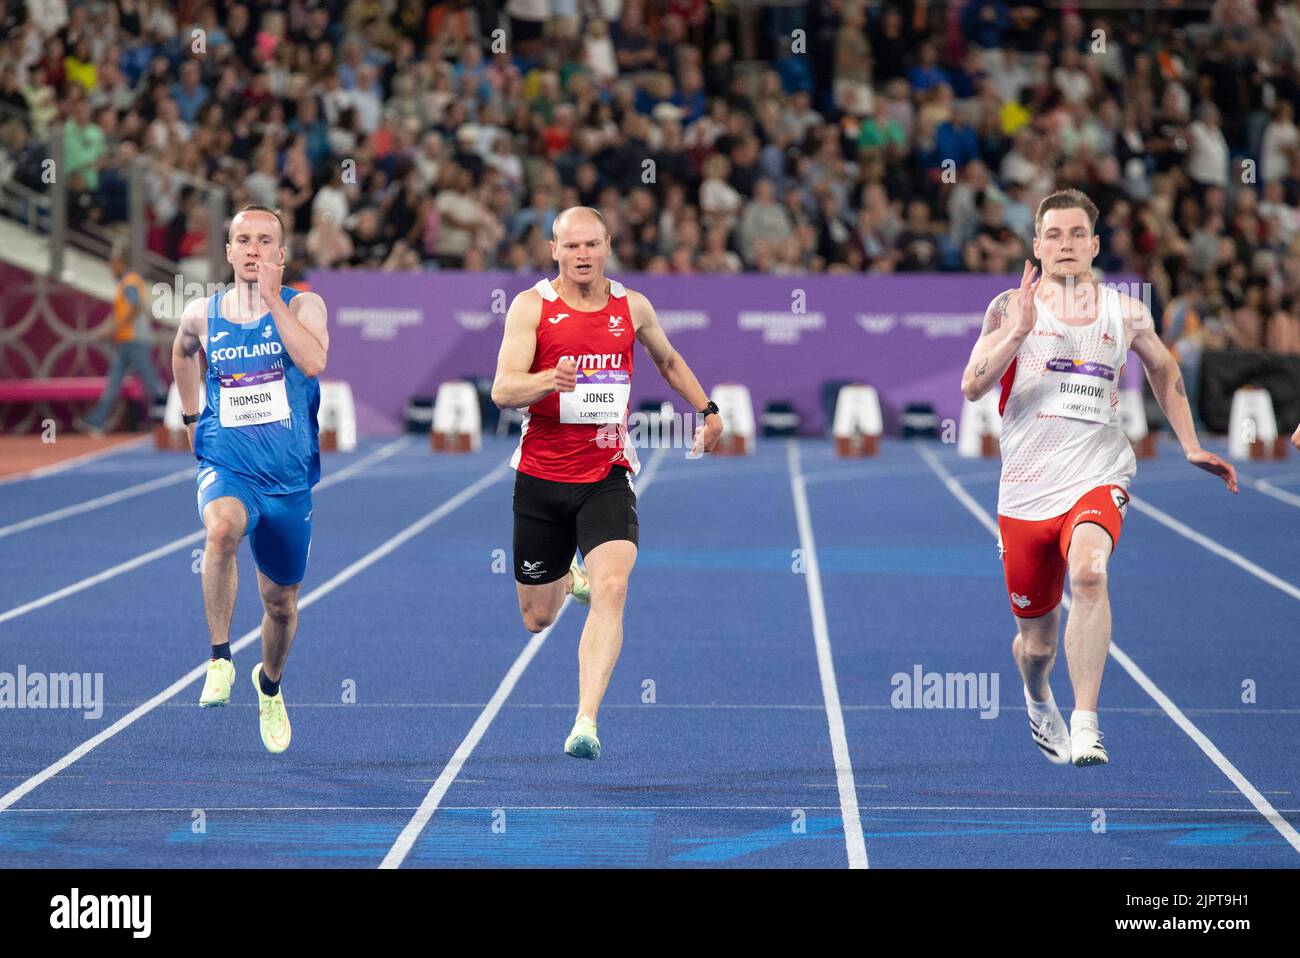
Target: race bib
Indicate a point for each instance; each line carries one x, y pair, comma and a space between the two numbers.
250, 399
601, 396
1078, 390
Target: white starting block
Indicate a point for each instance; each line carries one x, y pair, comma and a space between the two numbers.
1133, 420
980, 427
337, 417
738, 422
1252, 428
170, 434
858, 422
457, 424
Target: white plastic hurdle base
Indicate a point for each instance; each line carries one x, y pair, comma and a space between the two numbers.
337, 417
1133, 420
457, 425
170, 434
738, 421
858, 423
1252, 427
980, 427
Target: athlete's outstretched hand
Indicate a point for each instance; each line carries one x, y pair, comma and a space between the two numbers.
706, 436
1026, 314
1215, 466
268, 281
1295, 437
566, 376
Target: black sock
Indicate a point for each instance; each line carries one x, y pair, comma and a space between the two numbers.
268, 687
222, 651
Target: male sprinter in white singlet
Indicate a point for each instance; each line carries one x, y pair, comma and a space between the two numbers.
567, 356
1058, 348
257, 448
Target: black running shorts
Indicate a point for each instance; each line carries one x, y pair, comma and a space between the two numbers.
554, 518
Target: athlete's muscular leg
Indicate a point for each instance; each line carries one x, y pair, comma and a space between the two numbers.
608, 566
279, 624
540, 604
1087, 631
225, 520
1034, 648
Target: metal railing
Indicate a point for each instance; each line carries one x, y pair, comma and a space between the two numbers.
45, 214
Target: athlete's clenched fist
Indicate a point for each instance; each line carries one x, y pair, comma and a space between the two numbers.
566, 376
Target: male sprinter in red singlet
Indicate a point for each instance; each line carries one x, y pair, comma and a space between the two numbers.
567, 356
1058, 348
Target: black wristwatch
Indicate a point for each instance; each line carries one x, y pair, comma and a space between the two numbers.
708, 410
188, 419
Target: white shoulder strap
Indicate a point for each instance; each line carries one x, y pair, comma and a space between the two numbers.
547, 290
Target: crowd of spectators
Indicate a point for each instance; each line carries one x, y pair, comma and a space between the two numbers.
831, 136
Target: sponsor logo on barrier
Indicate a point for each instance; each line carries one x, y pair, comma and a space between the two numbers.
473, 321
378, 322
877, 324
943, 324
676, 320
778, 327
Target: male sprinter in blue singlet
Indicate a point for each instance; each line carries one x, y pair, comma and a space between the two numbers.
257, 448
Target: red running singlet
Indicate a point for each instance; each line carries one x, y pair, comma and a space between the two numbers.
580, 436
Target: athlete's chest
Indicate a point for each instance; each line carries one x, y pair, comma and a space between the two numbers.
606, 332
239, 348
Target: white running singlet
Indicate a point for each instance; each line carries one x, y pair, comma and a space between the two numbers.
1061, 435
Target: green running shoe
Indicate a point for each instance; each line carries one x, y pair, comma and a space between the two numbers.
580, 589
272, 716
216, 687
582, 741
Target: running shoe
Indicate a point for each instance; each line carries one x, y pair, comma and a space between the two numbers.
272, 716
216, 687
1052, 736
580, 588
582, 741
1085, 744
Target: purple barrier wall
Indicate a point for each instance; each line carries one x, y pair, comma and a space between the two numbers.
394, 335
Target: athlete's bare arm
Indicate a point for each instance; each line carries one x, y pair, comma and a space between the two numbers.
514, 386
673, 368
1167, 385
1008, 320
1295, 437
187, 364
301, 324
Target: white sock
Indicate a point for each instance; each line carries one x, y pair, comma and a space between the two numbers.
1040, 710
1081, 719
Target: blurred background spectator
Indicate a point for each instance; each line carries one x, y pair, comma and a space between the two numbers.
826, 136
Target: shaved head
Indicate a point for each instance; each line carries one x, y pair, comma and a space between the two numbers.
577, 215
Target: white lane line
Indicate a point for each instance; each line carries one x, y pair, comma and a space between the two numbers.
89, 505
854, 842
433, 799
1242, 784
1042, 809
54, 468
177, 544
199, 671
670, 706
1236, 558
1269, 489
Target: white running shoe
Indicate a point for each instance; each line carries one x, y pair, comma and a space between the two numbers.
1086, 747
1052, 736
